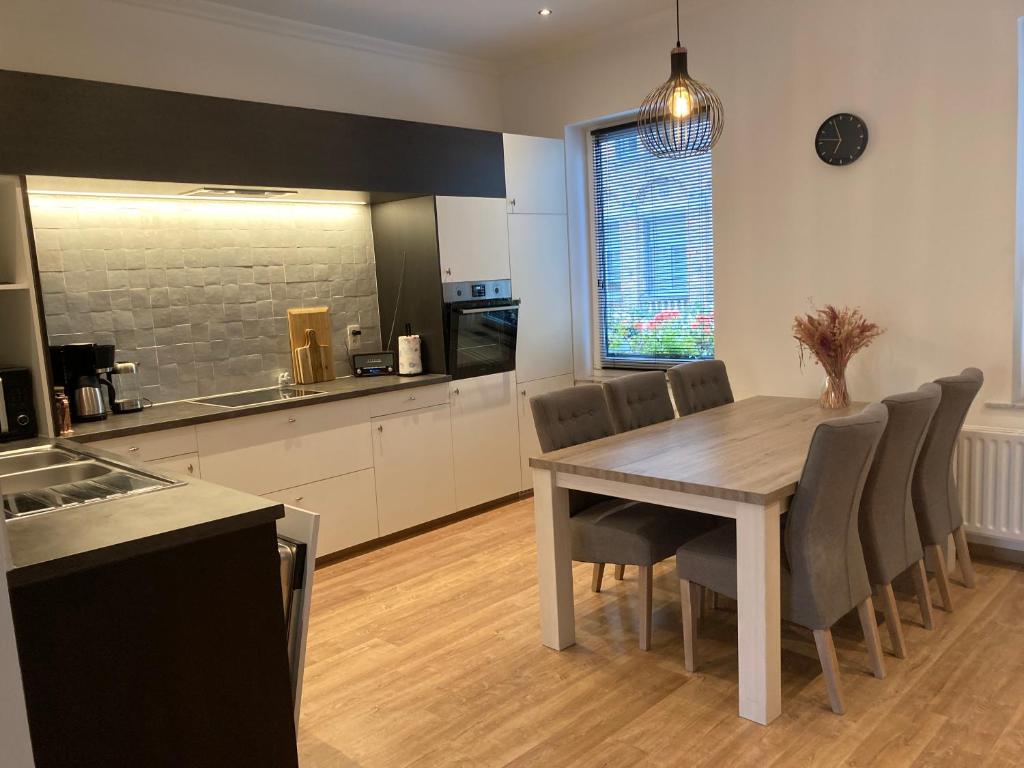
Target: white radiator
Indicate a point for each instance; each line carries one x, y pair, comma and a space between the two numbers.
990, 477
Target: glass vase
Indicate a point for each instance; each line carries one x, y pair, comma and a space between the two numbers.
834, 394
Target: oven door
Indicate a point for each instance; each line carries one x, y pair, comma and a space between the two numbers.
482, 337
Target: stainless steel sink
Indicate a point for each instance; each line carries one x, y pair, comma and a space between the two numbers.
49, 477
23, 461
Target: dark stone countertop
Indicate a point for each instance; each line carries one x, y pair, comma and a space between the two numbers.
64, 541
186, 412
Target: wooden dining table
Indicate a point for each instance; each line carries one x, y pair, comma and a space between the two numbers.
741, 461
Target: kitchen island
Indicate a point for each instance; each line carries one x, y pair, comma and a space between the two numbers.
151, 631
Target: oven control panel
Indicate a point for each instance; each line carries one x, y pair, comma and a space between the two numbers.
477, 290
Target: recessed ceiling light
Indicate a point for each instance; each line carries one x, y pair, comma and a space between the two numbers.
544, 12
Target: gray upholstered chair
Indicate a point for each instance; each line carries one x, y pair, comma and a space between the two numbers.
934, 490
638, 400
888, 526
602, 529
699, 385
823, 573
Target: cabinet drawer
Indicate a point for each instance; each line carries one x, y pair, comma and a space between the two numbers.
284, 449
186, 464
408, 399
347, 506
153, 445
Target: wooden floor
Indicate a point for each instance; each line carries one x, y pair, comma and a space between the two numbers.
427, 653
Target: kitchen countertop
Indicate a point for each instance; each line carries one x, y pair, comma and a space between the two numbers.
63, 541
186, 412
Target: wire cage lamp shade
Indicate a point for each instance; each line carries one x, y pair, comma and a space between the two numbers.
682, 117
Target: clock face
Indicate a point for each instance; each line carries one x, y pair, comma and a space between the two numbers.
841, 139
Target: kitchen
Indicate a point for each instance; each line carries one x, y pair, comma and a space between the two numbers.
310, 315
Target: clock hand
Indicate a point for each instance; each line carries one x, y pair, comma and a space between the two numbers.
840, 135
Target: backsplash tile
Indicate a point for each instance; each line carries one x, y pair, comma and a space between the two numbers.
197, 292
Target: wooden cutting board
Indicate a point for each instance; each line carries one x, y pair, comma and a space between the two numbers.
317, 319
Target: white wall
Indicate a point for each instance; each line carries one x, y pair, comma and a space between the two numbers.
220, 53
920, 232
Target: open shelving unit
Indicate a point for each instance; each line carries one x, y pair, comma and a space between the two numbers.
22, 341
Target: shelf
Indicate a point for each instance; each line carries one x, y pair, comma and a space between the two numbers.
13, 286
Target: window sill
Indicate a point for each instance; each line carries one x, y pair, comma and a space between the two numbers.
1003, 406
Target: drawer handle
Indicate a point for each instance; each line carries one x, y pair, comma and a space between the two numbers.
412, 397
455, 391
523, 393
380, 427
133, 449
191, 469
299, 498
291, 419
448, 271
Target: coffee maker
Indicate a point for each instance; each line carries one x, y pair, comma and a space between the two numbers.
86, 371
77, 368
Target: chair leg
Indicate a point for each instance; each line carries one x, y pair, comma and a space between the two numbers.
689, 601
646, 605
866, 611
941, 576
963, 554
892, 620
714, 600
924, 595
830, 669
620, 572
597, 578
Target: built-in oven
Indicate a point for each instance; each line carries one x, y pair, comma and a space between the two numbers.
481, 322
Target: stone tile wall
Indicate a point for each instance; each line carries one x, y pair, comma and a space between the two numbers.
197, 292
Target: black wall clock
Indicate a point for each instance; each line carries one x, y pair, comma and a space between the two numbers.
841, 139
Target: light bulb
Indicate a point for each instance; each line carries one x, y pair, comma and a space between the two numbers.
680, 102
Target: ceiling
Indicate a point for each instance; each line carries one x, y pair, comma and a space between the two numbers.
488, 30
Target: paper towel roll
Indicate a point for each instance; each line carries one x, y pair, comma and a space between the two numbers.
409, 360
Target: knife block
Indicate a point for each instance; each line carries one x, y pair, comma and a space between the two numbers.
311, 365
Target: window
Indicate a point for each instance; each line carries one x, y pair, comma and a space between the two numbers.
654, 253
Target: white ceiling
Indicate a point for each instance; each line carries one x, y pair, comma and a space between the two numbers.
489, 30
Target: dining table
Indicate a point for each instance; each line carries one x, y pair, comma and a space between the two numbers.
740, 461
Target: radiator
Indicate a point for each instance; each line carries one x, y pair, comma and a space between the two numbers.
990, 477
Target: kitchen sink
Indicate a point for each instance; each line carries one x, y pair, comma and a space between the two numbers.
256, 397
43, 479
34, 459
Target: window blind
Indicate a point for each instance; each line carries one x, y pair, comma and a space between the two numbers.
654, 252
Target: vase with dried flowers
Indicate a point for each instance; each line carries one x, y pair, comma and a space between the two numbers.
832, 336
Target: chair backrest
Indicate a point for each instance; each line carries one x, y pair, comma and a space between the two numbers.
571, 416
822, 543
933, 488
638, 400
699, 385
888, 527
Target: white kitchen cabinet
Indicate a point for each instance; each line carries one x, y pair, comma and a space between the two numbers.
287, 448
472, 236
539, 253
152, 446
186, 464
534, 174
412, 459
528, 443
485, 439
347, 506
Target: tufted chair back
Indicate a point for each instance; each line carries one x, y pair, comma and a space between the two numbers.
638, 400
699, 385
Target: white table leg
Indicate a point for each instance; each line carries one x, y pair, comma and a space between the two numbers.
554, 561
758, 599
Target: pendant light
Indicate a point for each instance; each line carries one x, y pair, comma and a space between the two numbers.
682, 117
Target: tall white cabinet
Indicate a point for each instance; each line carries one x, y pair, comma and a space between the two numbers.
539, 264
484, 439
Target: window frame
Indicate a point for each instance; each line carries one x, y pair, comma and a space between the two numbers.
596, 330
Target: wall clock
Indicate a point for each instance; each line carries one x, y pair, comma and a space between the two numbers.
841, 139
